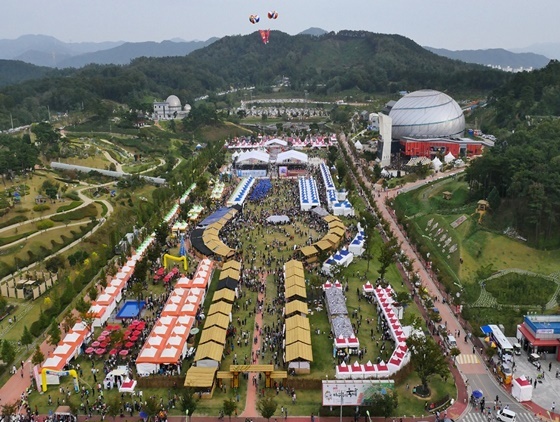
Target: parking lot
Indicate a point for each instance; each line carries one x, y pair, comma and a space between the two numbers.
547, 390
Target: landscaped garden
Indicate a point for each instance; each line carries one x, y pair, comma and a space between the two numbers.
465, 249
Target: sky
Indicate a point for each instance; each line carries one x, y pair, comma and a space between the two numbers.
451, 24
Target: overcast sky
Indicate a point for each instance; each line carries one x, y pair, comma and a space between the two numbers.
452, 24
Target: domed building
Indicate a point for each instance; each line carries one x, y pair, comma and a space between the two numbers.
170, 109
425, 123
427, 114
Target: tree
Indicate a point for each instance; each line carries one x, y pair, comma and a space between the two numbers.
54, 333
38, 357
229, 407
188, 402
383, 404
387, 256
455, 352
9, 410
267, 407
69, 321
87, 318
8, 352
92, 292
55, 263
26, 338
113, 408
427, 358
151, 407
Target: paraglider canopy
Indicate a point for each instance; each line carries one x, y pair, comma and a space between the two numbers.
265, 33
254, 19
273, 15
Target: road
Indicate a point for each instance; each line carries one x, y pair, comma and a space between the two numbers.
469, 362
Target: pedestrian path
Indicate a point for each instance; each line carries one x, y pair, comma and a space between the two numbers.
468, 358
250, 410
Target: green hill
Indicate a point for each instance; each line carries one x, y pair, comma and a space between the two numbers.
325, 65
15, 71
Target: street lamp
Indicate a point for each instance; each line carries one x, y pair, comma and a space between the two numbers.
368, 416
187, 415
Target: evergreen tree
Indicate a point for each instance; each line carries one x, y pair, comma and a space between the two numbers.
38, 357
26, 338
267, 407
8, 352
54, 334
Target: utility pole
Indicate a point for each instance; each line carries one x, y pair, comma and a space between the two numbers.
12, 120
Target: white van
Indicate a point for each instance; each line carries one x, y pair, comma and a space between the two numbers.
451, 342
506, 415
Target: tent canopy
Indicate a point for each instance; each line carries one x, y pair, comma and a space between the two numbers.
253, 156
291, 156
200, 377
299, 350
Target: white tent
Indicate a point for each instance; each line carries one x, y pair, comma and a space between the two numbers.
291, 156
521, 389
449, 158
253, 156
358, 145
275, 141
436, 164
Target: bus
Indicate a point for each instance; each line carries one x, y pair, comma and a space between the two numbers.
504, 347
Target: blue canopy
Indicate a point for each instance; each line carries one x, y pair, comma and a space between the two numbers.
486, 330
477, 394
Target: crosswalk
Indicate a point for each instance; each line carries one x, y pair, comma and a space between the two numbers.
479, 417
463, 359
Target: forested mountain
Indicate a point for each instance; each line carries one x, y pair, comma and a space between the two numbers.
520, 176
13, 72
44, 50
329, 64
125, 53
534, 94
494, 57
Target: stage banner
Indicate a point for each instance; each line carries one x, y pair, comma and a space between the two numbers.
354, 392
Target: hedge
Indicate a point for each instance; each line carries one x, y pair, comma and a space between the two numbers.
88, 211
71, 206
13, 220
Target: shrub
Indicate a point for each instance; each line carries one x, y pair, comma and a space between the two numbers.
73, 195
41, 207
36, 328
71, 206
79, 214
21, 210
44, 225
14, 220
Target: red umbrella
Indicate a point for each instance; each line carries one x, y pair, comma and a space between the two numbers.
141, 325
137, 332
90, 350
129, 345
103, 344
113, 327
134, 323
133, 338
123, 352
113, 352
99, 351
105, 333
95, 344
101, 338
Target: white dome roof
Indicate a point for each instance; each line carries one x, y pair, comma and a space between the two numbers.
427, 114
173, 101
187, 107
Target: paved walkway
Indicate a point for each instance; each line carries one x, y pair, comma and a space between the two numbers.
250, 410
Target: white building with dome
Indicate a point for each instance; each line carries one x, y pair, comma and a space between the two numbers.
427, 114
170, 109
